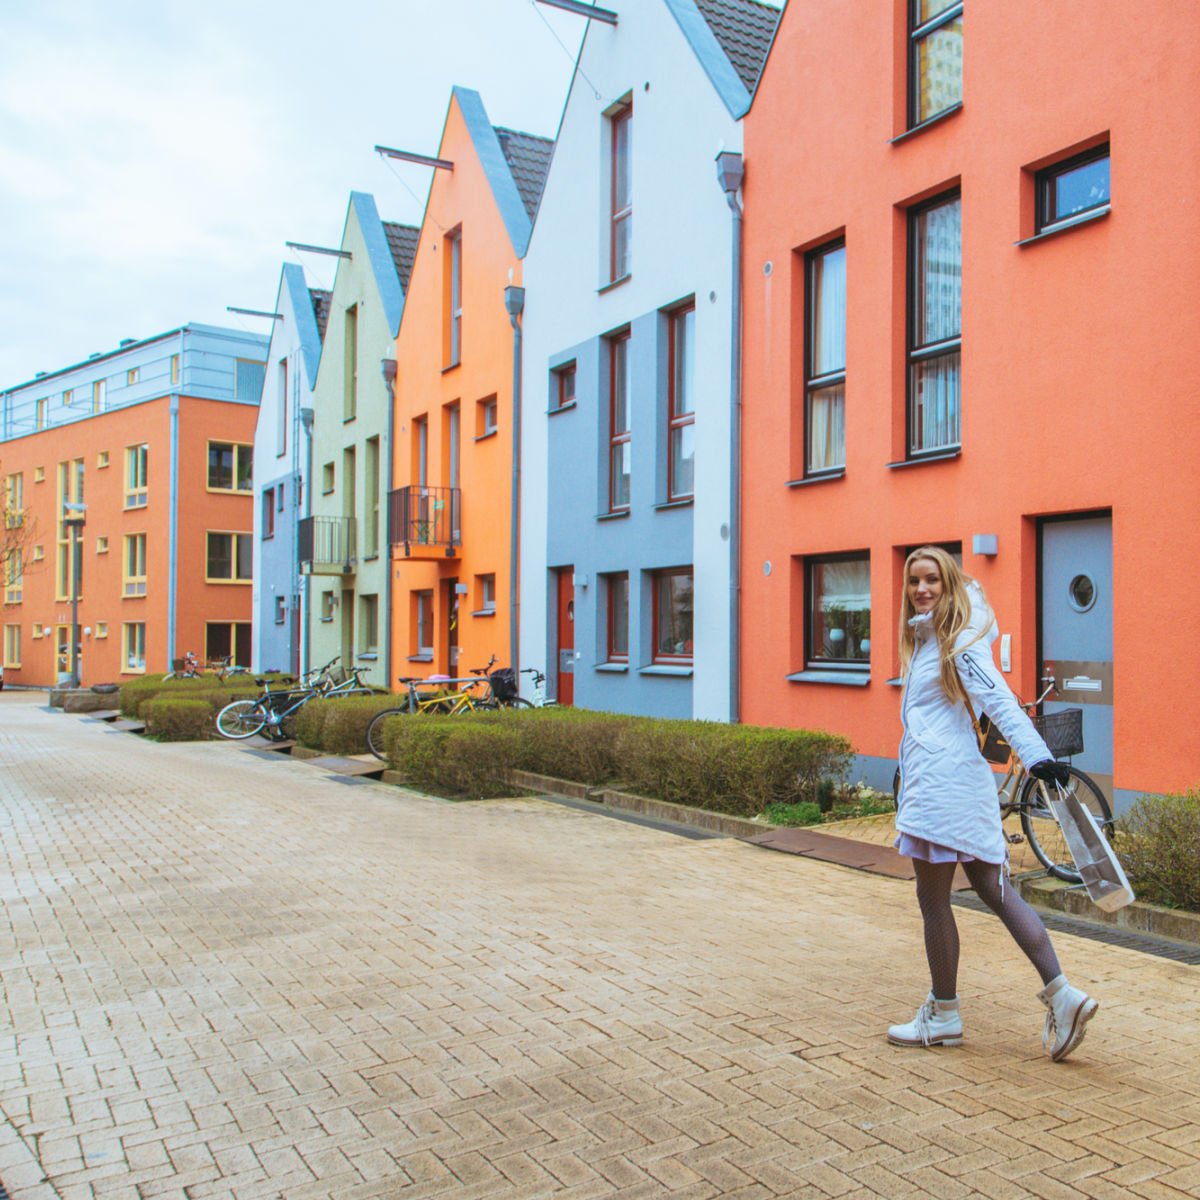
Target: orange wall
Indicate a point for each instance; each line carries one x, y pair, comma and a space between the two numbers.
101, 599
1080, 358
462, 198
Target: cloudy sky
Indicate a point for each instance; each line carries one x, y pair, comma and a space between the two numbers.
155, 155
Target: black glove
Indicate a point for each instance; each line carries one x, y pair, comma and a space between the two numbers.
1050, 771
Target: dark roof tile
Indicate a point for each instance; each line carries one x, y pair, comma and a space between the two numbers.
744, 28
321, 302
528, 158
402, 241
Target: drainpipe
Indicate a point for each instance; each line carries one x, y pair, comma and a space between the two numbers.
173, 533
514, 303
387, 367
730, 174
306, 420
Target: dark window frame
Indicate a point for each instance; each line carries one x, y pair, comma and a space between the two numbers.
676, 421
622, 337
927, 352
612, 653
657, 656
815, 383
811, 661
918, 32
620, 130
1044, 190
566, 371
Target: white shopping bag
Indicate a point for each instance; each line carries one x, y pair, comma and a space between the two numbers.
1098, 867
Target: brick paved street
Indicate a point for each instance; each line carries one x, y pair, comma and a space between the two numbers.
225, 975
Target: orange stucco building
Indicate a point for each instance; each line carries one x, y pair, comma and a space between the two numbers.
450, 507
971, 289
155, 442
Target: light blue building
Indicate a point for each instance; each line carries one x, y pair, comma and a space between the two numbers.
282, 470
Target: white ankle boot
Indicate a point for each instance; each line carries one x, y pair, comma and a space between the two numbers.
1068, 1010
937, 1023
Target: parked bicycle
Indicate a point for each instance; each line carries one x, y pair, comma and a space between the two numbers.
272, 713
1020, 793
188, 667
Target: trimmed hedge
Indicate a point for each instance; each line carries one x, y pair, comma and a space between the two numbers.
1158, 841
177, 719
339, 725
740, 770
135, 693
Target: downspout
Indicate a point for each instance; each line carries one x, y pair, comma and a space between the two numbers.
730, 174
173, 531
514, 303
388, 367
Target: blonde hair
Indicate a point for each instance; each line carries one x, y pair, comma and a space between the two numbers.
951, 617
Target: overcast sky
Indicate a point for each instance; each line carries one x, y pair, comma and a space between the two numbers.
155, 155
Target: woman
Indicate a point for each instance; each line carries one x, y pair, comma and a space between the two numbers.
947, 811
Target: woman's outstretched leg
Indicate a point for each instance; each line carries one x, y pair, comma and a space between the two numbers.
1019, 919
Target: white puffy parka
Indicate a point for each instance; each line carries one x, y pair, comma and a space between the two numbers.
947, 788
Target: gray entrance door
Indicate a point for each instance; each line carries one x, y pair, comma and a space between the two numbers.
1077, 637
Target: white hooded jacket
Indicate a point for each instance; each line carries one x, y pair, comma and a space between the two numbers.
947, 789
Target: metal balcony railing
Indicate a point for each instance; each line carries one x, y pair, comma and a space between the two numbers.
425, 518
328, 545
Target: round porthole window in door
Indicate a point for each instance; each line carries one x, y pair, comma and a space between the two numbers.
1082, 593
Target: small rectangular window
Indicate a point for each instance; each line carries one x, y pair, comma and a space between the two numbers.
102, 545
350, 366
39, 474
838, 604
268, 513
327, 479
621, 197
229, 557
131, 376
99, 395
134, 647
485, 593
825, 359
136, 474
174, 369
281, 401
422, 623
327, 606
485, 417
12, 646
368, 624
102, 459
1072, 189
280, 610
620, 449
563, 388
101, 629
68, 397
935, 58
134, 566
41, 409
453, 292
681, 404
673, 616
618, 617
230, 467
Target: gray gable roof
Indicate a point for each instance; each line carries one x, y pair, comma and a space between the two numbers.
402, 242
744, 28
528, 158
321, 301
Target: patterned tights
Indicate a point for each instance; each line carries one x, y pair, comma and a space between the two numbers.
941, 933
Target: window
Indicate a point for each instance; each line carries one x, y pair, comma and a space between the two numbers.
673, 616
230, 467
327, 606
133, 646
620, 451
621, 214
131, 376
67, 528
681, 404
562, 391
227, 639
279, 497
371, 500
618, 617
485, 593
350, 366
485, 417
14, 575
368, 624
1070, 190
935, 326
12, 645
102, 629
39, 473
102, 545
327, 479
40, 408
174, 369
422, 623
229, 557
37, 631
281, 428
248, 377
825, 360
838, 603
134, 576
102, 459
39, 553
935, 58
280, 610
62, 646
99, 395
453, 294
136, 467
268, 513
14, 500
68, 397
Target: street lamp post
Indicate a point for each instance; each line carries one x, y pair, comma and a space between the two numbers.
74, 521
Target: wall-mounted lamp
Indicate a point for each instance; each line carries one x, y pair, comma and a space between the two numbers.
580, 580
87, 631
986, 544
46, 631
460, 589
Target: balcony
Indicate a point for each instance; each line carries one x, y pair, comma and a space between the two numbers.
328, 546
426, 521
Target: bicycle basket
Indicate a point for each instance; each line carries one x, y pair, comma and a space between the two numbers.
995, 749
336, 676
1062, 731
504, 683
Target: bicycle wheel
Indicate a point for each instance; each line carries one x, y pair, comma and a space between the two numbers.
241, 719
375, 731
1041, 829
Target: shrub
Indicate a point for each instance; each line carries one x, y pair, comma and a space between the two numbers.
177, 719
339, 726
804, 813
134, 695
568, 743
1158, 840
